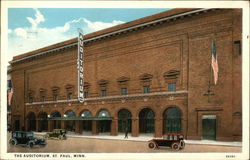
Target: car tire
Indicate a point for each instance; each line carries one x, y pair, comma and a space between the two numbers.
175, 146
31, 144
13, 141
182, 144
152, 145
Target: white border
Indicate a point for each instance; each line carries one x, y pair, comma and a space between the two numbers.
132, 4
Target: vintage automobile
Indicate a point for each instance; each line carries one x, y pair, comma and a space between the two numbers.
56, 133
173, 140
27, 138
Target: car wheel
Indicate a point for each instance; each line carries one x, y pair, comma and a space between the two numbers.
13, 141
175, 146
182, 144
152, 145
31, 144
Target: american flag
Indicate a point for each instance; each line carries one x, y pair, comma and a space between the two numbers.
214, 62
10, 94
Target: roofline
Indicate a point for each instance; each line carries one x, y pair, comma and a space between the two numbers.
116, 32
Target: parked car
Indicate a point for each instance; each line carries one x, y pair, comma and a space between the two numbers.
56, 133
173, 140
27, 138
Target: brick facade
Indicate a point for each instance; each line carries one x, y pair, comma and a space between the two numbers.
132, 56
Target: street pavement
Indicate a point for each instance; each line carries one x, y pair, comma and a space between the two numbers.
117, 144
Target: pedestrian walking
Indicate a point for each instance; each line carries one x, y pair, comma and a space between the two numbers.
126, 132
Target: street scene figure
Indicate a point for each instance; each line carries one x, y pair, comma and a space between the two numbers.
126, 132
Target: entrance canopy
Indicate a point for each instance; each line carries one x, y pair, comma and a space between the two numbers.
81, 118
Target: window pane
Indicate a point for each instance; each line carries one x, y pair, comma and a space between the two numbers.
145, 89
171, 86
42, 98
70, 95
55, 97
124, 91
86, 94
30, 100
104, 93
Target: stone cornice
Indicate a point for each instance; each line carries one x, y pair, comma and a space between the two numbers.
148, 95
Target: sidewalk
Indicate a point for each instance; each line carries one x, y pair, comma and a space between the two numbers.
146, 138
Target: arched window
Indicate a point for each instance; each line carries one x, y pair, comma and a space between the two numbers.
31, 121
70, 124
86, 114
172, 120
104, 125
55, 114
103, 113
69, 114
146, 121
86, 124
56, 123
43, 121
124, 120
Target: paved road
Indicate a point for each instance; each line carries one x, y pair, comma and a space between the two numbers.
87, 145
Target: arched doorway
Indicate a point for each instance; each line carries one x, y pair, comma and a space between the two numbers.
69, 124
172, 120
86, 124
146, 121
31, 121
104, 126
124, 120
43, 122
56, 123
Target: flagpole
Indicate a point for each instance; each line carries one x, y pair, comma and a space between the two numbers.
211, 68
209, 91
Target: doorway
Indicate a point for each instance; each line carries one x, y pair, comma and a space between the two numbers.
209, 127
17, 125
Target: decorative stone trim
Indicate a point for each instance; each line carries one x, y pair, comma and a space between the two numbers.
113, 97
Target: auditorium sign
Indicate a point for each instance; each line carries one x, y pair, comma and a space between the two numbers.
80, 66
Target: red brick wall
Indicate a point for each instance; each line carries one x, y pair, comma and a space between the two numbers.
183, 45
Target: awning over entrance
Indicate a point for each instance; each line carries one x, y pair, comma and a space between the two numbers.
80, 118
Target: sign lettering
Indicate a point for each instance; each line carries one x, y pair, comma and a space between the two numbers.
80, 67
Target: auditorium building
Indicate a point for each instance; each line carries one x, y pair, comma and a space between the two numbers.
152, 76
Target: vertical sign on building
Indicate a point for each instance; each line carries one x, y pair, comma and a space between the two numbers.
80, 66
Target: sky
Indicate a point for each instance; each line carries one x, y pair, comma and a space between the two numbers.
33, 28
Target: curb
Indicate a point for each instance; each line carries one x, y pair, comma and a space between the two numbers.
146, 139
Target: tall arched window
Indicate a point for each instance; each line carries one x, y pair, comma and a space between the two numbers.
70, 124
146, 121
56, 123
104, 125
124, 120
31, 121
172, 120
43, 121
86, 124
